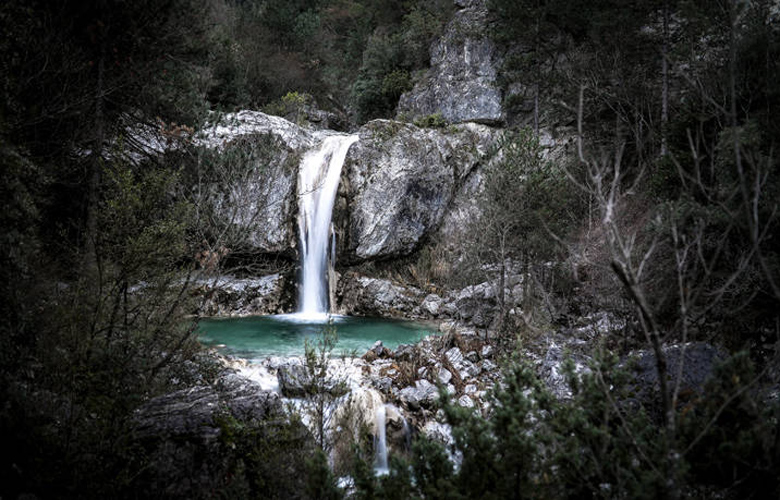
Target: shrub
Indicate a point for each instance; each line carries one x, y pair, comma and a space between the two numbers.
435, 120
292, 106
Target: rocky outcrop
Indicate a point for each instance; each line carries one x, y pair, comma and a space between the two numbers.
258, 204
364, 296
194, 413
190, 441
253, 191
422, 394
473, 305
297, 380
464, 209
225, 129
398, 183
228, 296
461, 82
460, 361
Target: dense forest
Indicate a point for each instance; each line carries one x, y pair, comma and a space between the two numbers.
663, 212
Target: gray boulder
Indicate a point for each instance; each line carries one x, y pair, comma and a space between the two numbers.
476, 304
187, 412
405, 352
432, 305
466, 402
254, 204
246, 400
399, 438
461, 82
398, 183
260, 206
191, 437
455, 356
295, 381
422, 395
402, 185
551, 369
227, 128
249, 194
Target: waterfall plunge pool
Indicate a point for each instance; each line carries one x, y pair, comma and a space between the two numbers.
257, 337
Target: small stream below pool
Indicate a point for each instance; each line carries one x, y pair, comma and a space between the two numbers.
257, 337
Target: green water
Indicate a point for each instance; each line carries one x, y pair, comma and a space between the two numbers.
257, 337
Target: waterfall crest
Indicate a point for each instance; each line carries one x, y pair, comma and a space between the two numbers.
318, 181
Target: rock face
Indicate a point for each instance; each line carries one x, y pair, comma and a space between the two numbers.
398, 182
475, 304
260, 204
253, 195
295, 381
461, 83
186, 412
231, 126
421, 394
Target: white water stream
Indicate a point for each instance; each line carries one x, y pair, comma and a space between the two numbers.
318, 181
380, 441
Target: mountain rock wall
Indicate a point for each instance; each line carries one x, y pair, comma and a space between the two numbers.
461, 82
397, 184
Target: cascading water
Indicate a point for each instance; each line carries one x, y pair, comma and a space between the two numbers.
380, 441
318, 181
383, 415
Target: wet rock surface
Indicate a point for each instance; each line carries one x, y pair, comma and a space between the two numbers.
297, 380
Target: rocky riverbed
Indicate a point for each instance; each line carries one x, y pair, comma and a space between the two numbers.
382, 399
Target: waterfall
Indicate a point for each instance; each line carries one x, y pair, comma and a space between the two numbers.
318, 181
380, 441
